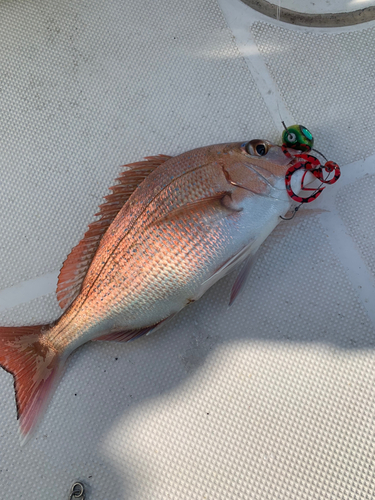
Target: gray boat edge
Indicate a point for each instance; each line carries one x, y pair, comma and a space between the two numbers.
328, 20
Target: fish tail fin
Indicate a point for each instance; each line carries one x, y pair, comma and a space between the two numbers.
36, 368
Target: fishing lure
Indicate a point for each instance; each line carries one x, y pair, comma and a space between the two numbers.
300, 138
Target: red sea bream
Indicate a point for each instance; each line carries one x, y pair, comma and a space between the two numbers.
171, 228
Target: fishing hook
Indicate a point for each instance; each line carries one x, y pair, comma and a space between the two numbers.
294, 213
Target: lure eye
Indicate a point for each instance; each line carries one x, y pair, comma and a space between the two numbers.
257, 148
292, 138
306, 133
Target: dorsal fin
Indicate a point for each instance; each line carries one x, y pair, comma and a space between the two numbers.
78, 261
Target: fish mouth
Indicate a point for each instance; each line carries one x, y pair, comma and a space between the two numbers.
294, 152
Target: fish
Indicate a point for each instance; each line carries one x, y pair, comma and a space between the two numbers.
170, 228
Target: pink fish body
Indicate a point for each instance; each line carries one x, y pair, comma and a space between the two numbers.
171, 228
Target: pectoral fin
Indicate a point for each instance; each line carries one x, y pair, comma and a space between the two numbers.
224, 269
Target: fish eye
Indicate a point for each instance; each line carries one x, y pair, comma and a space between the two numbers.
257, 148
261, 149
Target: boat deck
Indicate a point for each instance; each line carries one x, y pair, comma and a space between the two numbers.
272, 398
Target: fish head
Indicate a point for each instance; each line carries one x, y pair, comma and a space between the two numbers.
260, 166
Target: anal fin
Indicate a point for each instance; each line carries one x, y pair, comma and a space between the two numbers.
78, 261
125, 336
128, 335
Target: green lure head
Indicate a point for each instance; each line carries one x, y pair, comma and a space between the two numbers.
298, 137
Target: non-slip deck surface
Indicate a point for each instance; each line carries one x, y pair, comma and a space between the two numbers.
272, 398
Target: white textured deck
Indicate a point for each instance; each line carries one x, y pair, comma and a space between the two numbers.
272, 398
